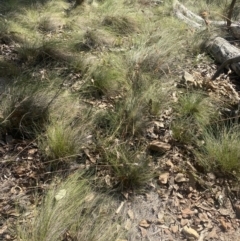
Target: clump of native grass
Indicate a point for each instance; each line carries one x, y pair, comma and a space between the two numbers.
6, 35
67, 129
50, 24
193, 111
119, 24
156, 52
72, 209
34, 20
61, 141
130, 114
43, 52
220, 150
126, 119
24, 109
93, 39
128, 167
104, 76
8, 69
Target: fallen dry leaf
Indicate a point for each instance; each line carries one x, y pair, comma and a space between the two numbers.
92, 160
160, 215
144, 223
190, 232
169, 164
174, 228
3, 229
212, 234
224, 226
187, 212
203, 217
184, 222
108, 180
128, 224
180, 178
143, 232
187, 77
32, 151
60, 195
130, 214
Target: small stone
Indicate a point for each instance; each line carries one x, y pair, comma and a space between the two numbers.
163, 178
159, 146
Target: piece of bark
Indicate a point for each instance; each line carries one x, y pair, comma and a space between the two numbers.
225, 53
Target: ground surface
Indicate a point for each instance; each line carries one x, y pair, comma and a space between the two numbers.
182, 201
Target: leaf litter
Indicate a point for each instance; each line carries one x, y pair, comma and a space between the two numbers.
184, 204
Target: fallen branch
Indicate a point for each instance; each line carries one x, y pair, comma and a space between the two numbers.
220, 49
198, 22
224, 52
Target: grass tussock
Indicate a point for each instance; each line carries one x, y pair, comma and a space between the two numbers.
196, 106
23, 112
154, 48
50, 24
120, 24
67, 129
194, 111
220, 150
61, 141
7, 37
130, 169
74, 208
105, 76
130, 114
125, 120
94, 39
44, 53
8, 69
113, 63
